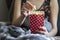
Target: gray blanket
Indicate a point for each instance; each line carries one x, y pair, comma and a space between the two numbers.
17, 33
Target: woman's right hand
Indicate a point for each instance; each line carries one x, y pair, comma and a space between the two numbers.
26, 7
25, 13
24, 10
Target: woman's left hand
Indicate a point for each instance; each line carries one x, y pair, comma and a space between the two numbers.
43, 30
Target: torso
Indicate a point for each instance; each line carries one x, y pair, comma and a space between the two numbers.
39, 5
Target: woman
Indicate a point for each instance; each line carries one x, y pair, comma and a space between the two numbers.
51, 13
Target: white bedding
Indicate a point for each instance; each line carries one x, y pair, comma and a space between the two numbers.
22, 34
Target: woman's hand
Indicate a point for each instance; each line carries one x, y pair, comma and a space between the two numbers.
26, 7
43, 30
24, 10
25, 13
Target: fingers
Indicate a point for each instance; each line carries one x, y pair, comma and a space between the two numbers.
28, 6
43, 28
25, 13
46, 32
24, 8
39, 32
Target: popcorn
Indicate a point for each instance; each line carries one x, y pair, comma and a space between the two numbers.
36, 20
36, 12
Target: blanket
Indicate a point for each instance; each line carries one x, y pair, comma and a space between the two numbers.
17, 33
